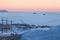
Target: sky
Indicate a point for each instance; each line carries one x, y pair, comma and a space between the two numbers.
30, 5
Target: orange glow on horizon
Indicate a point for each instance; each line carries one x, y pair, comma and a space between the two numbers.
30, 5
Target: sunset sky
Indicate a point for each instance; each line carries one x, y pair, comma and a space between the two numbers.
30, 5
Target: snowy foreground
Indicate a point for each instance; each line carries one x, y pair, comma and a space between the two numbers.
51, 34
38, 34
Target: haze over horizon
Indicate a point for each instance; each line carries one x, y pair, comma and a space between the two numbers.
30, 5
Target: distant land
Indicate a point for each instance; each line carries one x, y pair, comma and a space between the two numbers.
3, 11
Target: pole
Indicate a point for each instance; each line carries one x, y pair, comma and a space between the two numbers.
6, 24
2, 25
11, 25
11, 22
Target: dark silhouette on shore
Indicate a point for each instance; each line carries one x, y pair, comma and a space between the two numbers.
3, 11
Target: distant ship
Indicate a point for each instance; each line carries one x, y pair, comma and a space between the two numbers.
3, 11
44, 14
34, 13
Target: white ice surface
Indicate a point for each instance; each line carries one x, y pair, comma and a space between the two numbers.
51, 18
